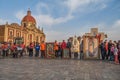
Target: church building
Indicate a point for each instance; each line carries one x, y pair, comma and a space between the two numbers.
26, 32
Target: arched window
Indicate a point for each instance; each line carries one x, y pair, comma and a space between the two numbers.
36, 38
40, 38
18, 35
31, 36
24, 24
10, 34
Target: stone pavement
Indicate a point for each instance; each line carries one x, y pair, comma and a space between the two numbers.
57, 69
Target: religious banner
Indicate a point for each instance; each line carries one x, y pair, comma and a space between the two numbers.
75, 45
75, 48
66, 53
91, 48
50, 50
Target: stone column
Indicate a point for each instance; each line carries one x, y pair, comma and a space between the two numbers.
6, 33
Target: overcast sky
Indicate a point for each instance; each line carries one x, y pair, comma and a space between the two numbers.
62, 19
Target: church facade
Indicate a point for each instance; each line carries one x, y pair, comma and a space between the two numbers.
26, 32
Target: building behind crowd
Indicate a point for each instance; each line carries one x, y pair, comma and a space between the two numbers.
26, 32
94, 32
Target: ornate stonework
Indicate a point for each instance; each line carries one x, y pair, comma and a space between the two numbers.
91, 43
27, 31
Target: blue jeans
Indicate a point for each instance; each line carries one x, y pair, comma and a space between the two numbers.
103, 54
31, 53
111, 56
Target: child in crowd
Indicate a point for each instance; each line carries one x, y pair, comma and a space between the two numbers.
112, 53
116, 55
37, 50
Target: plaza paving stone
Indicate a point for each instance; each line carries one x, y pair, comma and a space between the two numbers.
57, 69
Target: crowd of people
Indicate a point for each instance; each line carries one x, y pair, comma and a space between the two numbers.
109, 50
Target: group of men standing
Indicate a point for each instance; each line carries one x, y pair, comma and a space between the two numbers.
74, 46
19, 50
14, 49
110, 50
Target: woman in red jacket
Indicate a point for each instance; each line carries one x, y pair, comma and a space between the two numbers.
5, 49
63, 46
14, 50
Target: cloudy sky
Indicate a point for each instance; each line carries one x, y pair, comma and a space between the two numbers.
62, 19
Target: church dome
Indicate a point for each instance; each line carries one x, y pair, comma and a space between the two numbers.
29, 18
